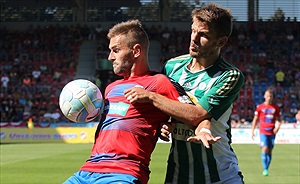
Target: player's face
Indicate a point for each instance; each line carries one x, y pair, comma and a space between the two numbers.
268, 97
204, 41
121, 56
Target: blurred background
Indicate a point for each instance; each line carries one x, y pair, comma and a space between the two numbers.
47, 43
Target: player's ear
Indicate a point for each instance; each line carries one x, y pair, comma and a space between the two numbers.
137, 49
222, 41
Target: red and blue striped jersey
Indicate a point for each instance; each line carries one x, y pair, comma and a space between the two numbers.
127, 133
267, 117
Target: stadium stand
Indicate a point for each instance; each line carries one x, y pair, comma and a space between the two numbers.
38, 61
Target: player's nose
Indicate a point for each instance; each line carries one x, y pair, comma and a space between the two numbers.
111, 57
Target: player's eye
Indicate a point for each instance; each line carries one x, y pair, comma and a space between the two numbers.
116, 50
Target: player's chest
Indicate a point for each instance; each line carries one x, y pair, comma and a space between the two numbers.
197, 83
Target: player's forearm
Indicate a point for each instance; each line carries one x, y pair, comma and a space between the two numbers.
254, 123
189, 114
277, 126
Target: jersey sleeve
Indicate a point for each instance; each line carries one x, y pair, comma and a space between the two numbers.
223, 93
257, 111
171, 89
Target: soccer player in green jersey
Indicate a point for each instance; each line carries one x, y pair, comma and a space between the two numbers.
215, 83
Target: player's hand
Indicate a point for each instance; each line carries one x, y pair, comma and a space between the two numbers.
165, 130
204, 138
253, 135
137, 94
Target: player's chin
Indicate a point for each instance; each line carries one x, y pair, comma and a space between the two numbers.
193, 54
117, 71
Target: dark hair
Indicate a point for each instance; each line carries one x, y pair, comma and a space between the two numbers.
217, 17
134, 32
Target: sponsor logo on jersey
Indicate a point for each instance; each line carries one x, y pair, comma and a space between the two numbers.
182, 132
185, 99
119, 108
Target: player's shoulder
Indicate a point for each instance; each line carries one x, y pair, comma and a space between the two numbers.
157, 74
181, 58
258, 106
224, 63
176, 62
164, 80
230, 69
275, 106
261, 106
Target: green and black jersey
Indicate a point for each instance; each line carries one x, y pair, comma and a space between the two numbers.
215, 89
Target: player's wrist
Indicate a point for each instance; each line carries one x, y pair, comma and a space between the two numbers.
151, 97
206, 130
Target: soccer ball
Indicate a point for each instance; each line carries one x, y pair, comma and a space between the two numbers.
81, 101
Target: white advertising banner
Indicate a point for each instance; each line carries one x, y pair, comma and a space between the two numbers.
243, 136
284, 136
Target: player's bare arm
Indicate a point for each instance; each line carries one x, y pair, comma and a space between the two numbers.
182, 112
277, 125
191, 115
254, 123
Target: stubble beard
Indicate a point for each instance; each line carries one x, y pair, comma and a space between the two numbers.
120, 71
198, 54
203, 53
123, 69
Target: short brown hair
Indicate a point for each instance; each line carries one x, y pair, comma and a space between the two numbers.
217, 17
134, 32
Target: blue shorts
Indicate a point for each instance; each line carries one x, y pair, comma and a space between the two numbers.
84, 177
267, 140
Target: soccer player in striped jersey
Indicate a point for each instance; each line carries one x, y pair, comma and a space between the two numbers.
269, 117
215, 83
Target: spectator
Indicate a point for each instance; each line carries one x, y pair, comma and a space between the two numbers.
47, 117
27, 109
57, 75
4, 83
279, 77
55, 116
36, 42
235, 121
36, 73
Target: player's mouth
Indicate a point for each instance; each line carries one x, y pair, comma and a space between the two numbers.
193, 48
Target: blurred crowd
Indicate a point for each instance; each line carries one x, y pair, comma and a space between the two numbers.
268, 53
37, 62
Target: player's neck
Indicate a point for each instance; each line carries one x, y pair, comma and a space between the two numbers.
267, 102
139, 73
202, 63
139, 68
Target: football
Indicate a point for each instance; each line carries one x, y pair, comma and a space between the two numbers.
81, 101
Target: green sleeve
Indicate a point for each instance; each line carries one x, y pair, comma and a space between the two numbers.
223, 93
